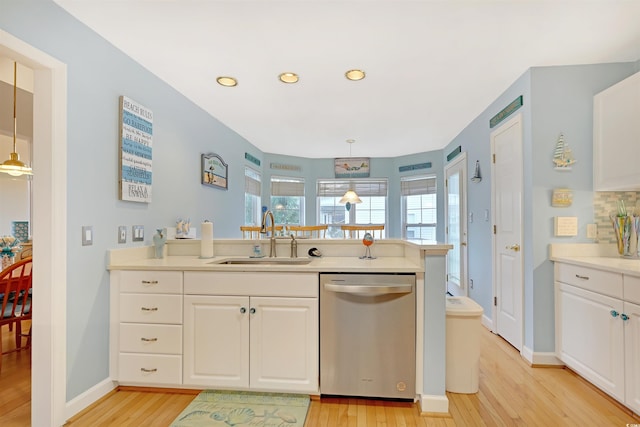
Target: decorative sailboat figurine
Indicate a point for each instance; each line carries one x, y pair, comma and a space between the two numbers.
562, 156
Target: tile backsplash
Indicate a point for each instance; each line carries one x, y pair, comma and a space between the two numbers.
605, 203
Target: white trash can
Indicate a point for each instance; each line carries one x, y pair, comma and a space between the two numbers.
463, 345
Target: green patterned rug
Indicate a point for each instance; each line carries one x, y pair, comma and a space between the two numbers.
244, 408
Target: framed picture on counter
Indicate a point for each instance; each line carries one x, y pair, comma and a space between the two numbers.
214, 171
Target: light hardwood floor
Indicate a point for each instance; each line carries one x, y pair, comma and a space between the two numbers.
511, 394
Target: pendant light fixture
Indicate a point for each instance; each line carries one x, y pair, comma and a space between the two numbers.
13, 166
350, 197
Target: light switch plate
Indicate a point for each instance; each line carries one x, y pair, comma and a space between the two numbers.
122, 234
137, 233
87, 235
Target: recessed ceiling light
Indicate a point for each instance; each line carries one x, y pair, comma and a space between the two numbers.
227, 81
354, 75
289, 78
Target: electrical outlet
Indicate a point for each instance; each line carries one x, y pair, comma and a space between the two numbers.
87, 235
592, 231
122, 234
137, 233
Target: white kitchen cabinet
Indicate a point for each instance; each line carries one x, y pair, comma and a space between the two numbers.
251, 330
616, 136
146, 328
589, 336
631, 313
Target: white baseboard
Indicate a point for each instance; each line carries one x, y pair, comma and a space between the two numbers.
487, 322
434, 404
90, 396
540, 358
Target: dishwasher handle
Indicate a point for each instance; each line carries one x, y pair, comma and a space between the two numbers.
369, 289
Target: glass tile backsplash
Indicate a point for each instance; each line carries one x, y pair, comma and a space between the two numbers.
605, 204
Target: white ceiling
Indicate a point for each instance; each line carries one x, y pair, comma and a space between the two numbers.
432, 66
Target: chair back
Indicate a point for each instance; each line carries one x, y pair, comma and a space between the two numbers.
358, 231
253, 231
15, 288
310, 231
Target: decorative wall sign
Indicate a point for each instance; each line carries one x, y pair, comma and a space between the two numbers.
285, 167
352, 167
562, 198
136, 135
454, 153
417, 166
562, 155
252, 159
214, 171
506, 112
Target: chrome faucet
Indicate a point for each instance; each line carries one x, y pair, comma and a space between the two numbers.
263, 230
294, 247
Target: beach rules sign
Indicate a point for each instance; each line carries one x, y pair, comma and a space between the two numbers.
136, 148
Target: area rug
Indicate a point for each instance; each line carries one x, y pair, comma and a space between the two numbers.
242, 408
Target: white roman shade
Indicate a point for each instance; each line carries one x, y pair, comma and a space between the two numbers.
286, 186
415, 185
364, 188
252, 183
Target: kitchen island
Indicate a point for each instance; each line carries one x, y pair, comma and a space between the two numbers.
196, 294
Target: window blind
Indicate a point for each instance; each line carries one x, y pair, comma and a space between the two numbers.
284, 186
252, 182
414, 185
364, 188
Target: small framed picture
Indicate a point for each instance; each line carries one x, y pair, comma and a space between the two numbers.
214, 171
352, 167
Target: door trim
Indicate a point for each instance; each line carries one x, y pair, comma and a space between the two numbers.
464, 258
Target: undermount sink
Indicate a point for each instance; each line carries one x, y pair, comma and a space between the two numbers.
264, 261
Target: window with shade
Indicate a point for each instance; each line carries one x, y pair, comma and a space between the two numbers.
287, 200
419, 207
252, 190
372, 210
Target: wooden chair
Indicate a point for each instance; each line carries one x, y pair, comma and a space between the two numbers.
310, 231
358, 231
253, 231
15, 291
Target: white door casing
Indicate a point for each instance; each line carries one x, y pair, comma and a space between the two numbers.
456, 225
506, 196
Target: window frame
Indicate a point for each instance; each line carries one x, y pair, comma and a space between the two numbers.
417, 189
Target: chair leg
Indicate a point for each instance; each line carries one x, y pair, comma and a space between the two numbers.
18, 335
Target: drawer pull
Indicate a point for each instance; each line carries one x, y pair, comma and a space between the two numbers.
148, 339
614, 313
582, 277
149, 282
624, 317
149, 370
149, 308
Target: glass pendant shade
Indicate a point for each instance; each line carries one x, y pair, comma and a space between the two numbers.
351, 197
13, 166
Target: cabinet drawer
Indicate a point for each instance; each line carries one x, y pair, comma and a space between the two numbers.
150, 308
632, 289
251, 283
152, 369
141, 338
163, 282
603, 282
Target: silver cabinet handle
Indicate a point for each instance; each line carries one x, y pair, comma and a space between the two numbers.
149, 282
149, 308
252, 310
582, 277
149, 370
369, 290
148, 339
243, 310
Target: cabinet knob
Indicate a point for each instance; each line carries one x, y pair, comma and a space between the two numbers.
614, 313
252, 311
624, 317
243, 310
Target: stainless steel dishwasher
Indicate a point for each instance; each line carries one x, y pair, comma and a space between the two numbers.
367, 335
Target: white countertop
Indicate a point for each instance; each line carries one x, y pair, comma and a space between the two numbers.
323, 264
600, 256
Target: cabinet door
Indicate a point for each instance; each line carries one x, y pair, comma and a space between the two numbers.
616, 131
589, 337
216, 341
284, 344
632, 356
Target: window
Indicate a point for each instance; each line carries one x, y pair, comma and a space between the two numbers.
252, 190
287, 200
419, 206
372, 210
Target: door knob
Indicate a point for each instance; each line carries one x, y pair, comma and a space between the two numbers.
463, 243
515, 247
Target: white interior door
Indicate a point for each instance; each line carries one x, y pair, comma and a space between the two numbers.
456, 225
506, 170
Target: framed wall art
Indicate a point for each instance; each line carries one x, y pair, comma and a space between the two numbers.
352, 167
214, 171
136, 149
